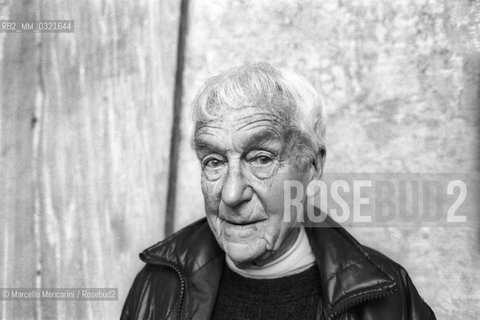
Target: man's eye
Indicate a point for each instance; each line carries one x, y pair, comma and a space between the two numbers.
212, 163
261, 161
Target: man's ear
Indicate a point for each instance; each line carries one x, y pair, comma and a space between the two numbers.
319, 161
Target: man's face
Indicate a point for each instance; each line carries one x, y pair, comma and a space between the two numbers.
245, 161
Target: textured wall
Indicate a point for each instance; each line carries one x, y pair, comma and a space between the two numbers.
85, 128
401, 83
85, 122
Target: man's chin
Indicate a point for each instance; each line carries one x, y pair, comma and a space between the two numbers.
241, 254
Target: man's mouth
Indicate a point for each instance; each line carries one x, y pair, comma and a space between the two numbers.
242, 223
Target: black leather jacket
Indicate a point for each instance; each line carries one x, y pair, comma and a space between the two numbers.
182, 275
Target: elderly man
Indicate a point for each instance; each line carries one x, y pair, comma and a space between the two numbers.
257, 127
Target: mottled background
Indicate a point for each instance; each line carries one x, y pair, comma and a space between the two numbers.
86, 126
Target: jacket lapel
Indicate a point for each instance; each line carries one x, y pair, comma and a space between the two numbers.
195, 251
348, 274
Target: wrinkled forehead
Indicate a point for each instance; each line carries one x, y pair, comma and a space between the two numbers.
250, 106
244, 121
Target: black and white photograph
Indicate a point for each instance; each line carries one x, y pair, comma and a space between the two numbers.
240, 160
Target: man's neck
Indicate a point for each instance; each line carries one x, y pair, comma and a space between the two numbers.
297, 258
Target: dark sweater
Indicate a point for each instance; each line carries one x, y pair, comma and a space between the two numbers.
292, 297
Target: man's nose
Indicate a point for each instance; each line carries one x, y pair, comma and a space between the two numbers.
236, 189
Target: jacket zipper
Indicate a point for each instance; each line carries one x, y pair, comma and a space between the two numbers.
182, 282
367, 297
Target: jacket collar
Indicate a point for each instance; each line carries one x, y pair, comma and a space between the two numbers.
348, 273
191, 248
194, 251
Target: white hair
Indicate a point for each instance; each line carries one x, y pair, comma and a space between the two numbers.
261, 85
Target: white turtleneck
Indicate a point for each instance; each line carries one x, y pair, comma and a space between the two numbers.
297, 259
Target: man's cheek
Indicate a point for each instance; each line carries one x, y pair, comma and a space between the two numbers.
274, 197
211, 194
